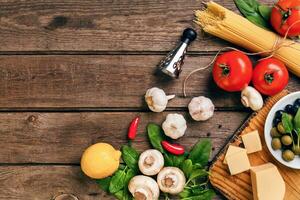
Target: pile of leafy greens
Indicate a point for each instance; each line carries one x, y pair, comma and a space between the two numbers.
255, 12
193, 164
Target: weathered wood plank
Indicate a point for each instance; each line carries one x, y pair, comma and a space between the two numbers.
108, 81
46, 182
100, 25
62, 137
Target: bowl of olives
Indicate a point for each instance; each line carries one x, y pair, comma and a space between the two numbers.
282, 130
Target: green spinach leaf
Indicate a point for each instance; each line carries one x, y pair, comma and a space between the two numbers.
187, 167
287, 123
117, 181
104, 183
255, 12
205, 195
297, 121
198, 173
200, 152
130, 157
156, 136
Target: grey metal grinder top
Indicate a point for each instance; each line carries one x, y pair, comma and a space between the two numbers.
171, 65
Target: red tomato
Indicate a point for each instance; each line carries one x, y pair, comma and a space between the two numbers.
284, 14
232, 71
270, 76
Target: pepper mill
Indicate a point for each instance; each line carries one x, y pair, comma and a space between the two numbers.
173, 62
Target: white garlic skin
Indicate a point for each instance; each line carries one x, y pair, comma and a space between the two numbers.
157, 99
201, 108
250, 97
174, 126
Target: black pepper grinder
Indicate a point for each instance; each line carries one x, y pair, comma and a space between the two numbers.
173, 62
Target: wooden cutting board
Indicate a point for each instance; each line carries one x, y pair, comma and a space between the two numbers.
239, 186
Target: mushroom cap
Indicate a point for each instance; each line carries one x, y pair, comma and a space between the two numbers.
156, 99
201, 108
142, 187
174, 126
171, 180
250, 97
151, 162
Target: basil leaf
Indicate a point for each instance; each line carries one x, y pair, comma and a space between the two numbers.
198, 173
254, 12
187, 167
200, 152
265, 11
130, 157
287, 123
206, 195
297, 121
117, 181
104, 183
156, 136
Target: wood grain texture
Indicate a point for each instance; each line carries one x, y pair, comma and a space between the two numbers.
90, 25
62, 137
46, 182
107, 81
239, 186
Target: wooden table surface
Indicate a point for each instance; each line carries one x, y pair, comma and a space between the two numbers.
73, 73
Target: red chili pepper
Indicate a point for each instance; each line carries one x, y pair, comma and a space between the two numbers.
175, 149
133, 128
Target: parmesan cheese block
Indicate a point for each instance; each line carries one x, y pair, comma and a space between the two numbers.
267, 183
238, 162
252, 142
231, 150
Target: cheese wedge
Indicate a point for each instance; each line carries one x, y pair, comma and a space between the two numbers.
252, 142
231, 150
238, 162
267, 183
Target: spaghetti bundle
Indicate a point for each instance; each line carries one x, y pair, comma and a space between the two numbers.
234, 28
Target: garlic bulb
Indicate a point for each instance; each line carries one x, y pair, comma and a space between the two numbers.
201, 108
174, 126
250, 97
157, 99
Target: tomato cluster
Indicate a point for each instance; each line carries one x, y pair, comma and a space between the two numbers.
233, 71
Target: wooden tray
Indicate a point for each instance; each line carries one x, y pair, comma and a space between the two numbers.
239, 186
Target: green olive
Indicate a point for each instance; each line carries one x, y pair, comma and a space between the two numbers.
296, 150
274, 132
286, 140
290, 117
280, 127
288, 155
276, 143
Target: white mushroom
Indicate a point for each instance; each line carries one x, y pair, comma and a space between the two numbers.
171, 180
174, 126
201, 108
250, 97
143, 188
151, 162
157, 99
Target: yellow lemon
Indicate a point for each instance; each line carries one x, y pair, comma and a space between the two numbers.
100, 160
